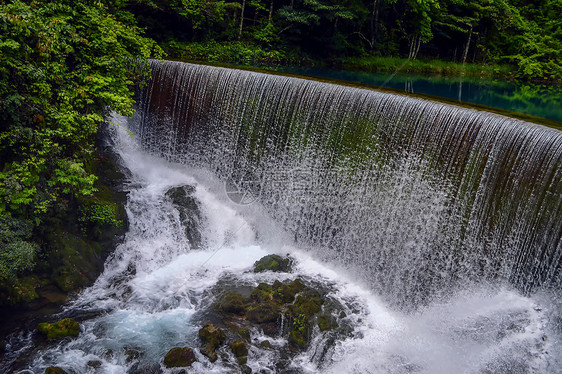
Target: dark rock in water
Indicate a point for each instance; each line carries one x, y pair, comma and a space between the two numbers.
189, 212
326, 322
132, 354
212, 337
54, 370
240, 351
233, 303
179, 357
67, 327
94, 364
265, 344
245, 369
273, 263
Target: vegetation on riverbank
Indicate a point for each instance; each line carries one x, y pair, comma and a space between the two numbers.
64, 66
513, 38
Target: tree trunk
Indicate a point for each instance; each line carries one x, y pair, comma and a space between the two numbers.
241, 19
415, 43
374, 22
465, 53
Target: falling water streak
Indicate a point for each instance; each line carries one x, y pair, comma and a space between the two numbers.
417, 196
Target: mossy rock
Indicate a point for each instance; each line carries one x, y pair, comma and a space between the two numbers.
297, 339
233, 303
326, 322
265, 344
212, 338
54, 370
22, 290
240, 351
308, 303
67, 327
273, 263
286, 292
263, 293
179, 357
212, 335
263, 313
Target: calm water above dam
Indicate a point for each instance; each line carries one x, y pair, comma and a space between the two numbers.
539, 100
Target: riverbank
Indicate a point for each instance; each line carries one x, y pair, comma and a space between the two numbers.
252, 55
74, 243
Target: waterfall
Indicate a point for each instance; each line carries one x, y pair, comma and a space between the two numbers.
416, 197
431, 232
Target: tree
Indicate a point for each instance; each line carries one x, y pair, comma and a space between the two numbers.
64, 66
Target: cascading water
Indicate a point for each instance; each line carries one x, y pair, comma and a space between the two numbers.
437, 222
418, 196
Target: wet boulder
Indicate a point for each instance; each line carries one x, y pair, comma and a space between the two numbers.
54, 370
240, 350
233, 303
179, 357
273, 263
189, 212
212, 337
67, 327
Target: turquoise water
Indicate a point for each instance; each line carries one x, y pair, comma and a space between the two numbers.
535, 99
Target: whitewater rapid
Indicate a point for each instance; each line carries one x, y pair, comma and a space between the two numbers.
154, 290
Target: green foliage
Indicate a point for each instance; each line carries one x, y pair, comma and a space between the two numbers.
234, 52
67, 327
17, 252
65, 65
99, 213
523, 34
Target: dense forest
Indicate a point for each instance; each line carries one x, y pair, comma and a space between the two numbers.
65, 65
524, 34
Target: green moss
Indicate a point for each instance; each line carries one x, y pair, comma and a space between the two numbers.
212, 338
297, 339
67, 327
240, 351
272, 263
263, 293
308, 304
212, 335
286, 292
233, 303
326, 322
179, 357
23, 290
263, 313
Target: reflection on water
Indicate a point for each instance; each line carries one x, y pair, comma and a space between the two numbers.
535, 99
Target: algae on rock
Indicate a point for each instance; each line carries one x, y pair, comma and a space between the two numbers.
67, 327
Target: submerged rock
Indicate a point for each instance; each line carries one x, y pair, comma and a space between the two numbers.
212, 337
67, 327
96, 364
179, 357
273, 263
54, 370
